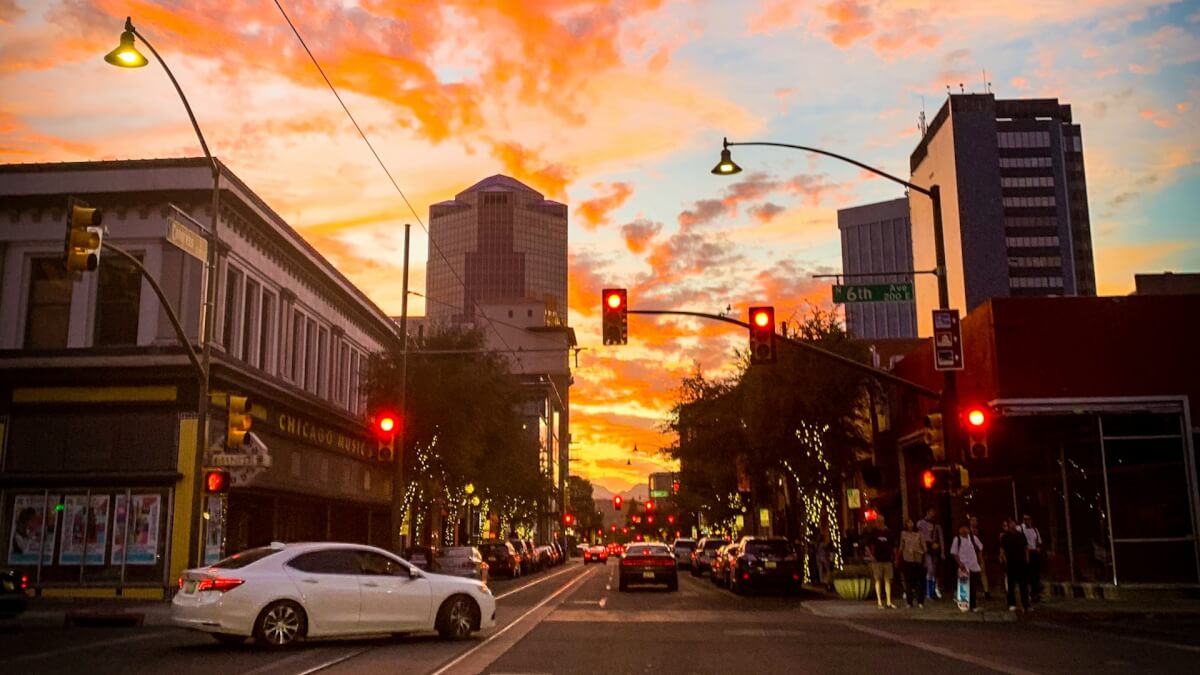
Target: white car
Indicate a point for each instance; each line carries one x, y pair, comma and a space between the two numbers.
283, 593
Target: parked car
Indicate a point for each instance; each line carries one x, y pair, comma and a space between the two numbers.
502, 558
683, 551
284, 593
720, 564
545, 559
648, 564
528, 563
13, 587
764, 562
705, 551
596, 553
463, 561
422, 557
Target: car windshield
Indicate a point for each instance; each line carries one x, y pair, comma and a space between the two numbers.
643, 549
247, 557
774, 547
688, 543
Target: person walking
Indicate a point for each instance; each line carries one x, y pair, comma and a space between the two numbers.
1014, 553
1033, 542
825, 561
983, 577
935, 551
912, 559
968, 551
882, 551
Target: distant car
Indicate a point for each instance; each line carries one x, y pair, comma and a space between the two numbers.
462, 561
764, 562
683, 551
648, 564
616, 550
706, 550
284, 593
13, 586
720, 564
422, 557
596, 553
502, 558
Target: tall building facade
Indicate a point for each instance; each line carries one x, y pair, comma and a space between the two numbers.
878, 238
497, 241
1014, 202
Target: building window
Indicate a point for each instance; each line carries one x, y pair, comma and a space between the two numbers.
1026, 181
1026, 162
249, 322
1035, 261
118, 299
49, 309
233, 286
266, 330
323, 363
310, 353
1023, 139
1029, 201
1031, 242
1035, 282
297, 346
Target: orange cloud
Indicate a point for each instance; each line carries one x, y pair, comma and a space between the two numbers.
1160, 120
775, 15
638, 234
851, 22
520, 163
594, 212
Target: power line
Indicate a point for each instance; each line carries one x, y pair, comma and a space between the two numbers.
389, 174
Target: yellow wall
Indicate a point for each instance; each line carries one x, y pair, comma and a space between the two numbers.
184, 524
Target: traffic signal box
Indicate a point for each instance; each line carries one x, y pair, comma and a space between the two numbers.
762, 335
216, 481
81, 248
615, 312
943, 478
385, 436
934, 436
568, 519
617, 502
977, 419
238, 409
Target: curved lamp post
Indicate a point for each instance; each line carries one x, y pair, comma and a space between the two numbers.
727, 167
126, 55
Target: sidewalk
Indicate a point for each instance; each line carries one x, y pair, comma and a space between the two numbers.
990, 611
97, 612
994, 610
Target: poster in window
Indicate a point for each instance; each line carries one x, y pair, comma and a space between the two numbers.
85, 530
120, 520
214, 531
34, 529
142, 545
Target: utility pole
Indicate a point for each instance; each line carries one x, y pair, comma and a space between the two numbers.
398, 481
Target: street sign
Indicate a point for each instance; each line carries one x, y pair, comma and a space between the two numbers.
231, 459
947, 340
898, 292
186, 239
853, 498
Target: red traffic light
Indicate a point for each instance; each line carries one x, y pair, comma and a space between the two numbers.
568, 519
977, 417
617, 501
650, 519
614, 299
216, 481
671, 519
762, 318
762, 335
928, 479
870, 515
612, 528
386, 423
649, 504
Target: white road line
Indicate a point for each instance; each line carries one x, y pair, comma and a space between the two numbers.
334, 662
514, 622
534, 583
1127, 638
940, 651
91, 645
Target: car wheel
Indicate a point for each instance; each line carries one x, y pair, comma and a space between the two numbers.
281, 624
456, 617
227, 639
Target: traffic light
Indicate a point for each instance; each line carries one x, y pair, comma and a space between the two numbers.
762, 335
617, 501
649, 504
216, 481
936, 478
977, 419
928, 479
568, 519
385, 436
671, 519
870, 515
81, 249
615, 316
934, 436
959, 478
238, 408
675, 486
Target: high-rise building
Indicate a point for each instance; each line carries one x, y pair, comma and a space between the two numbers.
1014, 202
497, 241
877, 238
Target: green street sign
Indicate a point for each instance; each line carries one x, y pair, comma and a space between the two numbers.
899, 292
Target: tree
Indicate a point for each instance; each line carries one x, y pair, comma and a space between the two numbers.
580, 494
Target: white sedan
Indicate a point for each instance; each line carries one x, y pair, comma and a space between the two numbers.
283, 593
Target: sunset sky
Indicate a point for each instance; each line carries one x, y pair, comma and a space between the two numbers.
617, 108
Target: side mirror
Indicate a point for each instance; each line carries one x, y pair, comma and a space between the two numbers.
414, 573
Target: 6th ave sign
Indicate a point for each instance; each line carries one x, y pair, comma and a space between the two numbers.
899, 292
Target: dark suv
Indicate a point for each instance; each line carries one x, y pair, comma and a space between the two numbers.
764, 562
502, 558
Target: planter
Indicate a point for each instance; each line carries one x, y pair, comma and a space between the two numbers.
853, 588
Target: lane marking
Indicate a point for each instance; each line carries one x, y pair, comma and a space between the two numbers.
534, 583
940, 651
334, 662
1127, 638
272, 665
91, 645
516, 621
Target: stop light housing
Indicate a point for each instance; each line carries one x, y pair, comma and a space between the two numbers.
81, 248
977, 419
762, 335
615, 313
238, 409
568, 519
386, 424
617, 501
216, 481
934, 436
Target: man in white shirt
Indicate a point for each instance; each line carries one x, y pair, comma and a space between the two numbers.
1033, 571
968, 552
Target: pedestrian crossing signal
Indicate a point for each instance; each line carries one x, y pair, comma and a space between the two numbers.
216, 481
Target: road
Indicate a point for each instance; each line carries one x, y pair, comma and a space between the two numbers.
573, 620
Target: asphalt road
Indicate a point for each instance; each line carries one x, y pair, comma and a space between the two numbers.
573, 620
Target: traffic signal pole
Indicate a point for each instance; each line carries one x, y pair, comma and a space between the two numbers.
398, 480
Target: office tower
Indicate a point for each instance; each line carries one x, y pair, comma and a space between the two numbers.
877, 238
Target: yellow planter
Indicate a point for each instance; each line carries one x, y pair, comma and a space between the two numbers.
856, 588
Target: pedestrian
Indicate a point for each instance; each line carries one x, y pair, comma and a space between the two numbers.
912, 558
1033, 542
881, 552
983, 577
825, 561
935, 551
967, 551
1014, 553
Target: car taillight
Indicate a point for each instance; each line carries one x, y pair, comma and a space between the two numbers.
219, 584
181, 583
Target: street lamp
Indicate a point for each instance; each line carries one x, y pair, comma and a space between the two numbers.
126, 55
949, 389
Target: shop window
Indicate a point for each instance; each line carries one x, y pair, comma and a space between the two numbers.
49, 307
